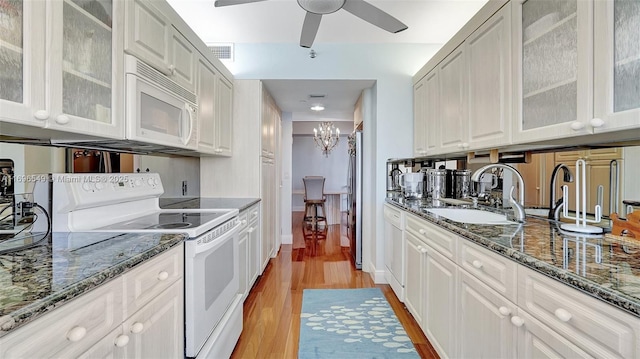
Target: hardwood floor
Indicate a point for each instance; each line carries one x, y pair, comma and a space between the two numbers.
272, 308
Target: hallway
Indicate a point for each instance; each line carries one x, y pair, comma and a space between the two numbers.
272, 308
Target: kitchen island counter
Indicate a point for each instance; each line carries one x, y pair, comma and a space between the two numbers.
208, 203
608, 269
64, 266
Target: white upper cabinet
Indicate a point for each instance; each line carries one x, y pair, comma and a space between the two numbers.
22, 62
489, 54
553, 61
84, 67
617, 65
453, 102
152, 38
419, 119
224, 116
426, 121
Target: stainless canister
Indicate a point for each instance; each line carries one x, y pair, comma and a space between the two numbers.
461, 183
437, 184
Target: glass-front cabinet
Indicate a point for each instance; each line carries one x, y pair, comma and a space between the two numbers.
617, 65
552, 42
84, 94
21, 61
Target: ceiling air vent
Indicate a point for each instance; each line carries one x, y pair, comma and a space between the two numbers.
223, 52
317, 97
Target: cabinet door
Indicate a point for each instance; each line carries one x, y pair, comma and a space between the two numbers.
616, 65
414, 290
182, 60
243, 260
537, 341
484, 321
439, 316
111, 346
157, 330
553, 68
453, 102
419, 119
85, 67
206, 91
253, 256
224, 116
148, 35
489, 58
394, 253
268, 211
22, 62
432, 111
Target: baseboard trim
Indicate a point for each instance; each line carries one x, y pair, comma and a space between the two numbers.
297, 209
287, 239
378, 276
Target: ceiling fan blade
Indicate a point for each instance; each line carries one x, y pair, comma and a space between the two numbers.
219, 3
374, 15
310, 29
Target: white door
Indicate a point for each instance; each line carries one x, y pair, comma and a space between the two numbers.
206, 91
224, 116
414, 293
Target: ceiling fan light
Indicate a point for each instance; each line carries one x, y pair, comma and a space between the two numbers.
317, 108
321, 6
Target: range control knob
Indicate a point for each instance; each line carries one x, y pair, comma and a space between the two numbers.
86, 186
150, 181
99, 185
137, 182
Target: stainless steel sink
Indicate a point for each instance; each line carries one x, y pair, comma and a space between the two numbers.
471, 216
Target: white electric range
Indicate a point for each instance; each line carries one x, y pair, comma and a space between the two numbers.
129, 202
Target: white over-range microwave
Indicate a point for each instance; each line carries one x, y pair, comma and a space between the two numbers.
157, 109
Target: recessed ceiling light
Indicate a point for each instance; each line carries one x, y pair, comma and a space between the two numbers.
317, 108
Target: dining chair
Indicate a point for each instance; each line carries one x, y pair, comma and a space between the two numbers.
314, 197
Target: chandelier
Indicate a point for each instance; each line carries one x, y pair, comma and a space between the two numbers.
326, 137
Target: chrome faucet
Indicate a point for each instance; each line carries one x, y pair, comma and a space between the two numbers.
518, 206
556, 205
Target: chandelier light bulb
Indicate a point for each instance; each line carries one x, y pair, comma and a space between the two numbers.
325, 137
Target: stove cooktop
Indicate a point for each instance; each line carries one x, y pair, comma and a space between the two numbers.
193, 222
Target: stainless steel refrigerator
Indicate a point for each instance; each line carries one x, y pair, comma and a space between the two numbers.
354, 210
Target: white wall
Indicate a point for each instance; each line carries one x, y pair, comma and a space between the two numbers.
389, 130
308, 160
32, 160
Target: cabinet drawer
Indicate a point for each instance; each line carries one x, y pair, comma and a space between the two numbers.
393, 215
439, 239
497, 272
145, 283
598, 328
71, 329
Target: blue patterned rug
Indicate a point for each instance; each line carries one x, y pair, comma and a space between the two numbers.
351, 323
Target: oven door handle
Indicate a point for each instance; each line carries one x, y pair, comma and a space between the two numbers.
218, 241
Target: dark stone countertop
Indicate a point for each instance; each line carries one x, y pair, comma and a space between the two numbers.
606, 268
63, 266
208, 202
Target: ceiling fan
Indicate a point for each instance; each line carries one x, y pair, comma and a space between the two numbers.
316, 8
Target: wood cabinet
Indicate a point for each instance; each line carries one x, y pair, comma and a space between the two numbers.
537, 178
453, 102
616, 65
215, 106
70, 80
394, 249
139, 314
150, 36
249, 248
430, 287
22, 54
489, 65
555, 97
426, 95
477, 303
484, 321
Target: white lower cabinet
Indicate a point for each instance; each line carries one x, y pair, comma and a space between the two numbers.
440, 292
98, 324
479, 304
484, 321
394, 250
249, 248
